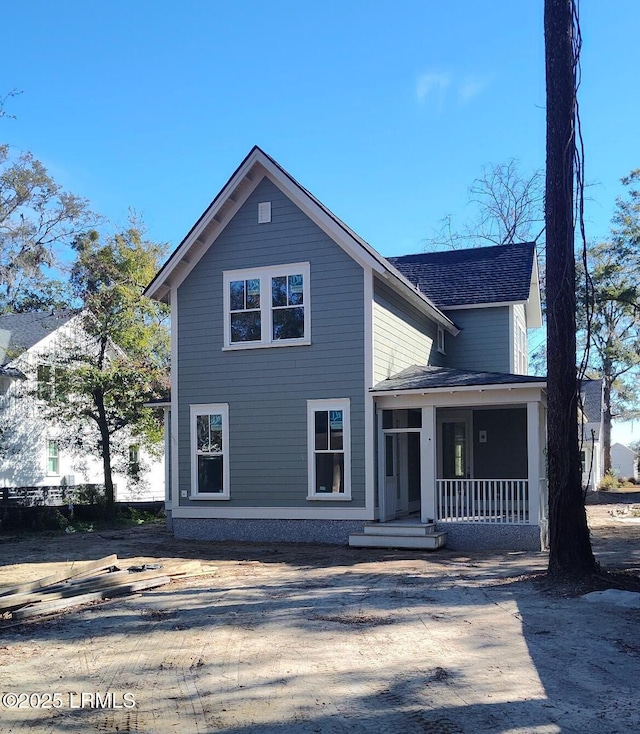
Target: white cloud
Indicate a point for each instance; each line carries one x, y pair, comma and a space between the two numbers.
471, 87
432, 84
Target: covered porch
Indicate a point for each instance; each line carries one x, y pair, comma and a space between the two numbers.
458, 448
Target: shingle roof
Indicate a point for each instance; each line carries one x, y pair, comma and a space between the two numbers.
20, 331
591, 395
467, 277
421, 378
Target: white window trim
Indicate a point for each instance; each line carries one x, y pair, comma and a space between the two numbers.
264, 275
343, 404
440, 340
49, 457
208, 409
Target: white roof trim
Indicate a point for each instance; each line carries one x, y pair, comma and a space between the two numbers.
462, 388
246, 177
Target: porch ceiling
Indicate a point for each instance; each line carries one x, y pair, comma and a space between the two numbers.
432, 378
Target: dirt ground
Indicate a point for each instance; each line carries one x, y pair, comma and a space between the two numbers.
300, 638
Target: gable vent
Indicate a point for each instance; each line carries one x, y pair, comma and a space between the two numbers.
264, 212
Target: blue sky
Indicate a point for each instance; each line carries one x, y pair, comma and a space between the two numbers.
386, 111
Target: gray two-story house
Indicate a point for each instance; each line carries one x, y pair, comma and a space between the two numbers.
321, 392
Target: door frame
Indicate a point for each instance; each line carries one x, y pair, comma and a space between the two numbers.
390, 505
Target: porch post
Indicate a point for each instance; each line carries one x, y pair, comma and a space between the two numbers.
428, 464
533, 461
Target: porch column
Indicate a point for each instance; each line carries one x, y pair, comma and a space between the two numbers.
428, 464
167, 457
533, 461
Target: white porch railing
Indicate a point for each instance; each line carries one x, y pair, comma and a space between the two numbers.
483, 500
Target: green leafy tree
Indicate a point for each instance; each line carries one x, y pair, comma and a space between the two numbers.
37, 219
119, 359
609, 312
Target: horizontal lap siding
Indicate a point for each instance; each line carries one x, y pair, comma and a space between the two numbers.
483, 343
267, 388
402, 335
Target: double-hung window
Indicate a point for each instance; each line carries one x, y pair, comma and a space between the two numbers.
267, 307
53, 457
329, 447
210, 451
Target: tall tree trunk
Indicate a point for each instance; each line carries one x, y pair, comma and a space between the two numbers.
105, 441
569, 543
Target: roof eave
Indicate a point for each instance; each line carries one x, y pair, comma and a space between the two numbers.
542, 385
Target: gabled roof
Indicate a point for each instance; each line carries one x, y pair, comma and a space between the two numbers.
419, 377
21, 331
234, 193
482, 275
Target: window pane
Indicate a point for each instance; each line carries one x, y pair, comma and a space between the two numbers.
322, 428
236, 295
330, 473
253, 293
387, 419
215, 432
210, 474
296, 290
288, 323
279, 291
336, 428
202, 431
246, 327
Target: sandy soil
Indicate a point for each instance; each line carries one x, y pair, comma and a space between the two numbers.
324, 639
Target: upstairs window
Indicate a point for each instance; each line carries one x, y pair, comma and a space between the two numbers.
267, 307
47, 376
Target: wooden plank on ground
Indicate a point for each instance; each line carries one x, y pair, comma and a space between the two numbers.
50, 607
62, 575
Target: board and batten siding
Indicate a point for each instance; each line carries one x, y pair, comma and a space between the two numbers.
267, 389
402, 335
483, 343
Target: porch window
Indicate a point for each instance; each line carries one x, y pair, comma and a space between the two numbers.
210, 451
329, 440
267, 307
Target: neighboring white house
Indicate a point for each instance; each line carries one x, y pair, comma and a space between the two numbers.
32, 450
592, 450
624, 462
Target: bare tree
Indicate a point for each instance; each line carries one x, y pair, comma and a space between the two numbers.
509, 208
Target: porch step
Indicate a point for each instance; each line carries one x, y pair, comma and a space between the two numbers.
430, 541
399, 528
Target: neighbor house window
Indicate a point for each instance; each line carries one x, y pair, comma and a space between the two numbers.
48, 376
329, 439
440, 343
267, 306
53, 457
134, 460
210, 451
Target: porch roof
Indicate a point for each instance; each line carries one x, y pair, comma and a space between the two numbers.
424, 378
